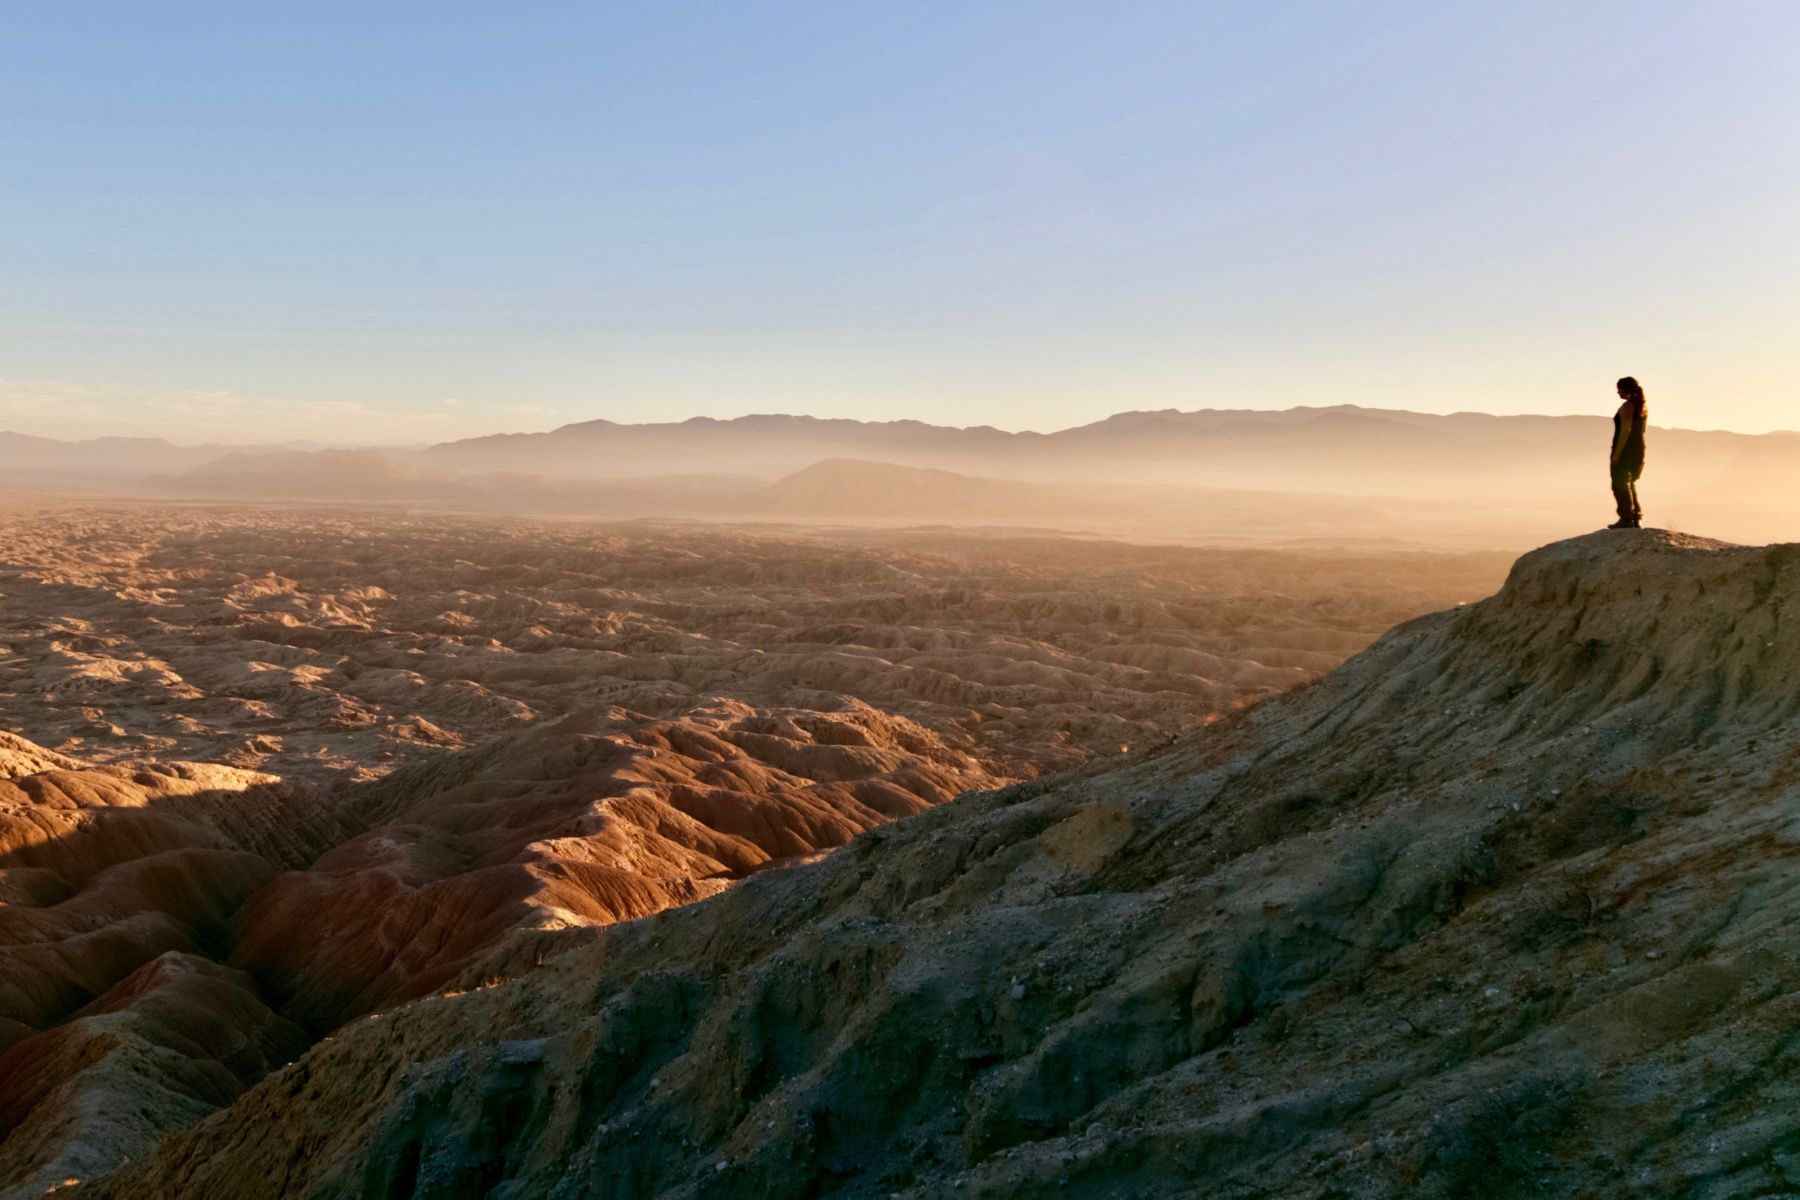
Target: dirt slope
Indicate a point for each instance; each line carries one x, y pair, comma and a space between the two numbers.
1502, 907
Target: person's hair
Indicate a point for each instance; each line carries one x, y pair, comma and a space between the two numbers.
1632, 388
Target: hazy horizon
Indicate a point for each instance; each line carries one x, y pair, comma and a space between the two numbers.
51, 428
1340, 475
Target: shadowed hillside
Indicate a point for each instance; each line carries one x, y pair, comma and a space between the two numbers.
1502, 907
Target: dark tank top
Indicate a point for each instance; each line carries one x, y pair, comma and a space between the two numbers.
1628, 435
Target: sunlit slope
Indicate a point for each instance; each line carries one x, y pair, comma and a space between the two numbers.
169, 932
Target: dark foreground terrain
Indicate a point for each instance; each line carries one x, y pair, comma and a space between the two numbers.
273, 772
1502, 907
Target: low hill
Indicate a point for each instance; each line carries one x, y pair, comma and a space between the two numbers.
843, 487
304, 474
1502, 907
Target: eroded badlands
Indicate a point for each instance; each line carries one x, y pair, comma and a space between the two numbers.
269, 771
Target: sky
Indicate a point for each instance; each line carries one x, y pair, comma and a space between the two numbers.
404, 222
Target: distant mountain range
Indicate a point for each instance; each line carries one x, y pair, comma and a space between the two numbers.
1208, 447
1137, 469
99, 464
1335, 449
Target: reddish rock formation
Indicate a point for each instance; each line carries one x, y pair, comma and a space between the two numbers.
121, 883
600, 817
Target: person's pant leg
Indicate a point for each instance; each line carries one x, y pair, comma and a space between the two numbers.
1623, 497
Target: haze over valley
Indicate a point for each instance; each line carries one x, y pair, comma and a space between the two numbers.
1332, 476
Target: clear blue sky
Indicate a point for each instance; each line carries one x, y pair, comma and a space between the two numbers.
394, 222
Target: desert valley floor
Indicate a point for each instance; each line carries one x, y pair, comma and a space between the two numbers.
265, 771
334, 645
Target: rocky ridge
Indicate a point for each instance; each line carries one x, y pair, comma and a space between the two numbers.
1502, 907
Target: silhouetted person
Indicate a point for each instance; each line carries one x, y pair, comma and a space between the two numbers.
1628, 453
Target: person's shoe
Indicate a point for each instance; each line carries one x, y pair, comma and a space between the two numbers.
1623, 523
